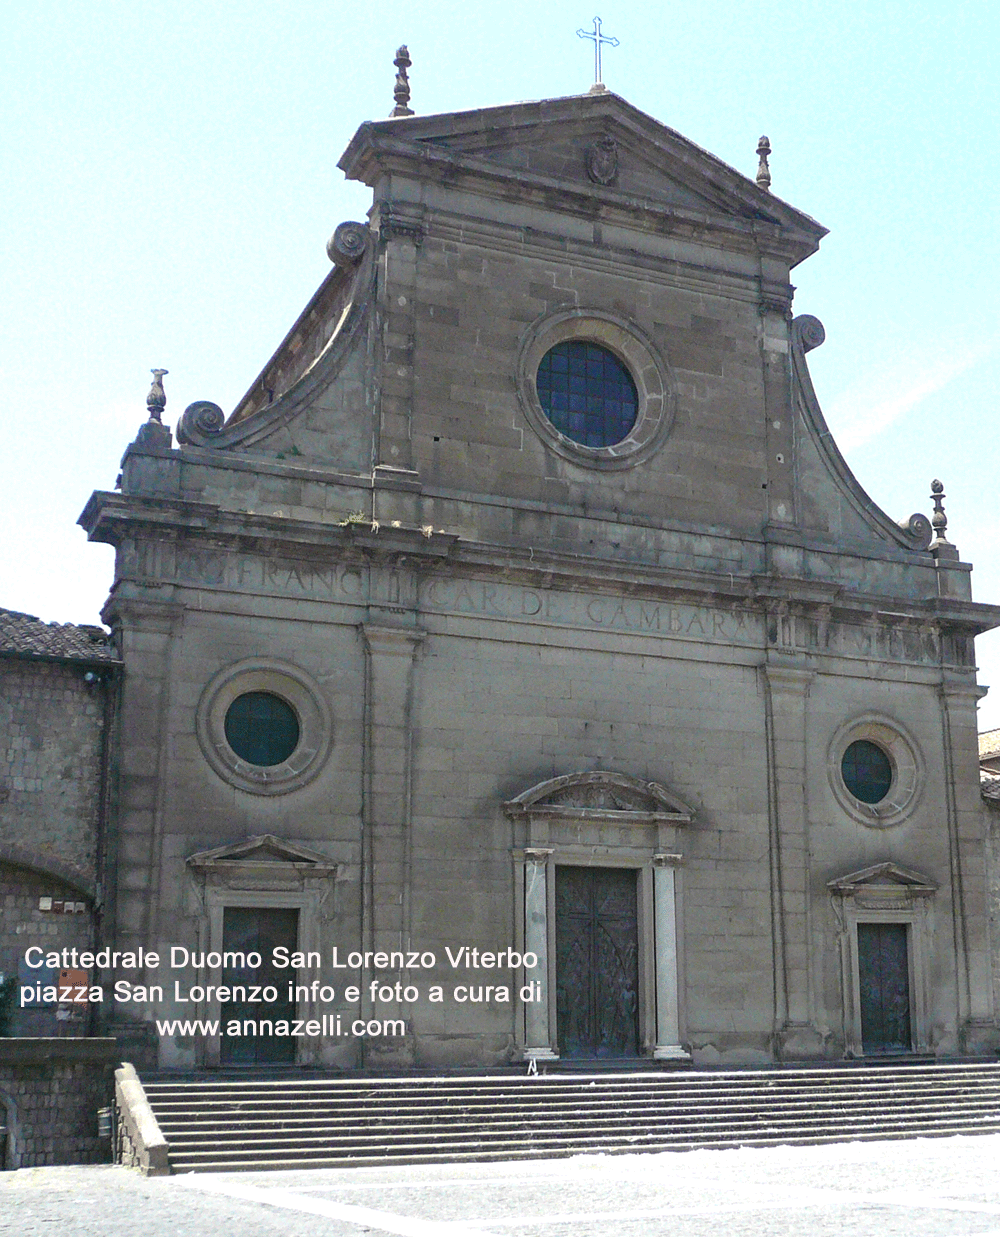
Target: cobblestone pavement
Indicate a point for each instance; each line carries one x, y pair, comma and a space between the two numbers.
921, 1188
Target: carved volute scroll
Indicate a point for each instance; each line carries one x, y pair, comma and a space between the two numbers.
918, 526
201, 422
346, 247
810, 331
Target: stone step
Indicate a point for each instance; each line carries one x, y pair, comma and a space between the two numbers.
193, 1114
546, 1095
625, 1131
219, 1160
273, 1123
221, 1107
197, 1122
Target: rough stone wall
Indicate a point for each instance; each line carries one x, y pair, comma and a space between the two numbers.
51, 1105
51, 722
23, 923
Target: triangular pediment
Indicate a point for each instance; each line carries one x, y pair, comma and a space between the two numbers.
882, 875
266, 848
606, 156
597, 145
600, 792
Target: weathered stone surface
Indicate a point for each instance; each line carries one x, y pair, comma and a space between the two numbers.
482, 605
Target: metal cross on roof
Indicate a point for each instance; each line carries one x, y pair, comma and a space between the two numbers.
598, 38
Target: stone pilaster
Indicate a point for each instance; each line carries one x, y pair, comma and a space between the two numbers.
386, 862
787, 694
147, 634
977, 1027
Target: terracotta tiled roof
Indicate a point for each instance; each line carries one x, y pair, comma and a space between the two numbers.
989, 785
23, 635
989, 744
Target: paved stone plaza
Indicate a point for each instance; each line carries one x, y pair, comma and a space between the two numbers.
946, 1187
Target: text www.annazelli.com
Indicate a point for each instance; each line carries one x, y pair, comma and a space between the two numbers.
283, 1028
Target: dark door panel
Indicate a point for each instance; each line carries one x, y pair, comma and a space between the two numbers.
597, 962
258, 930
884, 980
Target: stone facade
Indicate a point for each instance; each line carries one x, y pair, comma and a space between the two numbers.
511, 654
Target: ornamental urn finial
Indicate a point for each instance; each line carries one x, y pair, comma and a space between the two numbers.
939, 521
763, 171
156, 400
401, 91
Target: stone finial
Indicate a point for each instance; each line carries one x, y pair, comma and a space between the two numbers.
939, 521
153, 433
156, 400
401, 91
953, 575
763, 171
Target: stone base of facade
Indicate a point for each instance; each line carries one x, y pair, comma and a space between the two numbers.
800, 1042
980, 1038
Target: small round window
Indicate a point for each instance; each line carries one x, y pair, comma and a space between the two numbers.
867, 771
261, 728
587, 393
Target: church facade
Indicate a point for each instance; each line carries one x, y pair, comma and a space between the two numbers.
525, 606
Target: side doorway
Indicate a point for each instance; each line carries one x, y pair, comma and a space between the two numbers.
253, 932
884, 988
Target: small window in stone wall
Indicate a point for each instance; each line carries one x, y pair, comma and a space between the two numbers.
264, 725
867, 771
262, 729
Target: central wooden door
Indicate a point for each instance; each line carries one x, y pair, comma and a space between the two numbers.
884, 980
597, 962
248, 930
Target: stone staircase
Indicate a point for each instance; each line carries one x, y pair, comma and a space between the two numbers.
269, 1123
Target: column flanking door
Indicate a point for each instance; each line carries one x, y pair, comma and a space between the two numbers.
246, 930
884, 983
597, 962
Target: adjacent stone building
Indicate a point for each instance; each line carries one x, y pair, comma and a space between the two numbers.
525, 603
56, 691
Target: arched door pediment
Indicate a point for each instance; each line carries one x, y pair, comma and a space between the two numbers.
601, 793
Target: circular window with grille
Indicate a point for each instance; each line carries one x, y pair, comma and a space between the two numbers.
875, 770
264, 726
262, 729
587, 393
594, 388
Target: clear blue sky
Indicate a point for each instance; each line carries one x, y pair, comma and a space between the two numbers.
170, 183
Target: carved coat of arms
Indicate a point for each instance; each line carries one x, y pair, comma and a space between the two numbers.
602, 161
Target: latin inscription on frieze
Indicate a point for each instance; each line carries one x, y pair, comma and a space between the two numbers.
387, 585
625, 614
